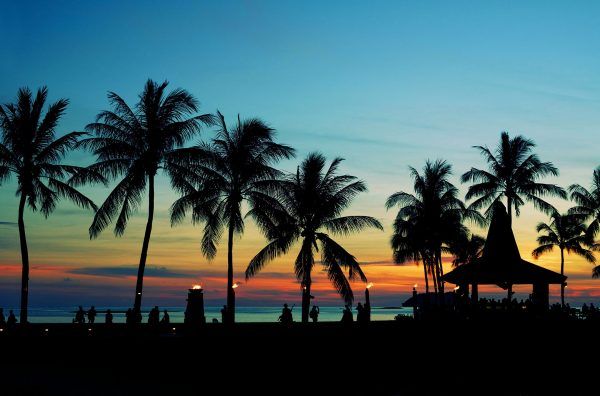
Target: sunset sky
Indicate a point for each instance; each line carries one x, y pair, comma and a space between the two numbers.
385, 87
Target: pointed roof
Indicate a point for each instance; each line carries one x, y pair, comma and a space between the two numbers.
501, 263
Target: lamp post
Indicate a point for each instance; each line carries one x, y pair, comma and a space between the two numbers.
368, 302
194, 311
231, 310
415, 303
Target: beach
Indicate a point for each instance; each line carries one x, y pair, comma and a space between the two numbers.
384, 358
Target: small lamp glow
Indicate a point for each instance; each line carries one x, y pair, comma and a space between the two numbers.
235, 285
369, 285
197, 287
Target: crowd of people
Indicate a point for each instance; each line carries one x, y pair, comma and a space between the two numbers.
363, 314
153, 316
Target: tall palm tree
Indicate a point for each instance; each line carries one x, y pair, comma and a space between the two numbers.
30, 151
567, 232
135, 143
513, 173
588, 203
465, 248
428, 220
236, 166
308, 205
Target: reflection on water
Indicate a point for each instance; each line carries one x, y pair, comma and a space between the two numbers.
243, 314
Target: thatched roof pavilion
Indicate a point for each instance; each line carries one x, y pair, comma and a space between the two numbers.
501, 264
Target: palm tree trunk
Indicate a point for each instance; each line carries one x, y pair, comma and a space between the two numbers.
433, 277
230, 291
137, 306
562, 272
25, 261
306, 298
426, 277
509, 210
440, 273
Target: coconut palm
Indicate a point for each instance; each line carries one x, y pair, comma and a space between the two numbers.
307, 207
567, 232
133, 144
465, 249
235, 167
513, 173
588, 203
428, 220
30, 151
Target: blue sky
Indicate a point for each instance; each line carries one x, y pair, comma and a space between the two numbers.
383, 84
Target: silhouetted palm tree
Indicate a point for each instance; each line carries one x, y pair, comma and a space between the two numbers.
428, 220
466, 249
30, 151
135, 143
513, 173
588, 203
567, 232
309, 204
235, 167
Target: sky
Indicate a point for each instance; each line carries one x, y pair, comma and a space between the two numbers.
385, 85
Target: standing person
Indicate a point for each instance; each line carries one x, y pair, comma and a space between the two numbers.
347, 316
153, 316
12, 320
224, 314
91, 314
314, 313
108, 318
286, 315
360, 313
165, 319
80, 316
129, 316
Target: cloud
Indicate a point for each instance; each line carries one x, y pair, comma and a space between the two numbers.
8, 223
121, 271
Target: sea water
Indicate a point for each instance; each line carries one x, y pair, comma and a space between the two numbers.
243, 314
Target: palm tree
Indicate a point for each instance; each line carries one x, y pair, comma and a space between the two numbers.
30, 151
309, 204
235, 167
513, 173
428, 220
567, 232
588, 203
466, 249
135, 143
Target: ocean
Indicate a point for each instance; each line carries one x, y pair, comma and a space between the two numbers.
243, 314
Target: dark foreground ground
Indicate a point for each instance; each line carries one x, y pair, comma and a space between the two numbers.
388, 358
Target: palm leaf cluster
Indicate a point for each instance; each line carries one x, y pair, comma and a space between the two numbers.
307, 210
429, 221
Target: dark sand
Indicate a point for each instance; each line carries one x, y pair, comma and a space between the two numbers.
389, 358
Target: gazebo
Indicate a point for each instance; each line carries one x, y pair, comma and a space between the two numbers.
501, 264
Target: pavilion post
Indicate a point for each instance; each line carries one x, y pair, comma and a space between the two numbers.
474, 293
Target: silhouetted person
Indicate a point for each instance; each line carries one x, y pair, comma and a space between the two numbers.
361, 313
286, 315
80, 316
91, 314
165, 319
2, 319
314, 313
129, 316
153, 316
108, 318
347, 315
11, 322
224, 314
